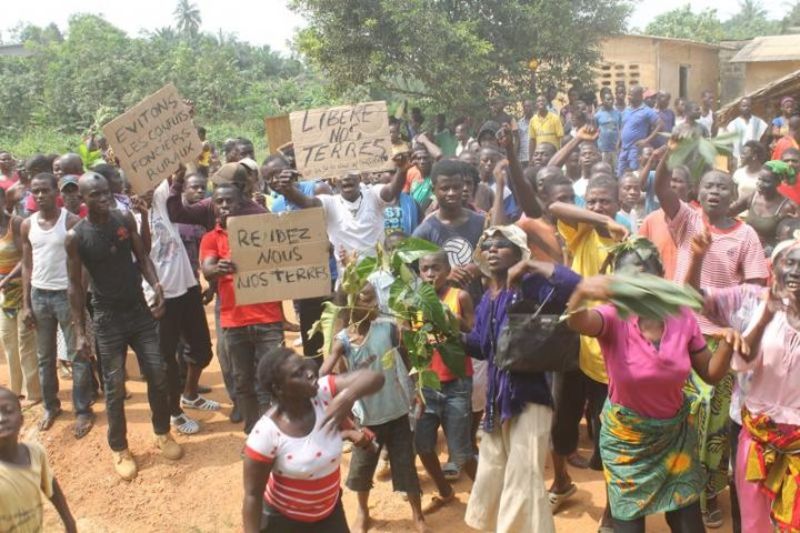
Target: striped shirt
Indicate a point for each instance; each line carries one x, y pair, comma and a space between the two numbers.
304, 482
735, 255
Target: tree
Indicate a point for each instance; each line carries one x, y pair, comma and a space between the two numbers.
683, 23
187, 18
451, 52
791, 22
751, 21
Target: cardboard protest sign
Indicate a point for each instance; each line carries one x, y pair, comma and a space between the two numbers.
281, 256
153, 137
330, 141
279, 132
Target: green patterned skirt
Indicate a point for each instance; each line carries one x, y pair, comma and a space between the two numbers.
711, 405
651, 465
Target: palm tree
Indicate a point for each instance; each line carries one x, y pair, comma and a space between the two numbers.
187, 17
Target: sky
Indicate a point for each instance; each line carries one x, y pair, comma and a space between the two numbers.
265, 21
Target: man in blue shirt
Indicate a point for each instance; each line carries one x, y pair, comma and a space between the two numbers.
609, 122
640, 125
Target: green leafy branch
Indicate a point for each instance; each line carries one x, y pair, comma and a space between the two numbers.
430, 324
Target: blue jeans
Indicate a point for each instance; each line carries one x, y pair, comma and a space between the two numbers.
450, 407
246, 346
225, 364
115, 330
51, 309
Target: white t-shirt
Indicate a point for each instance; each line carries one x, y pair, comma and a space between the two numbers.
751, 130
745, 181
167, 251
355, 226
304, 481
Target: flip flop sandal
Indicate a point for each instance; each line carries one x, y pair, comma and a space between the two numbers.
437, 502
83, 425
451, 471
200, 403
557, 499
49, 419
713, 519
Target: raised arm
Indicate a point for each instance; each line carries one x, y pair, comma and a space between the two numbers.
286, 185
669, 200
330, 362
586, 133
585, 321
712, 367
435, 151
523, 191
395, 187
498, 211
350, 387
574, 215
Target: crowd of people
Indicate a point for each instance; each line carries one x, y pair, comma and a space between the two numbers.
540, 208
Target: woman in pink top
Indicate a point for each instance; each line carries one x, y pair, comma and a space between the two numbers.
648, 440
767, 470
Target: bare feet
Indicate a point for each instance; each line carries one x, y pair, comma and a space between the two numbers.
578, 461
362, 523
421, 526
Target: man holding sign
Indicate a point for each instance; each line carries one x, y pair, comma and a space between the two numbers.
354, 216
250, 331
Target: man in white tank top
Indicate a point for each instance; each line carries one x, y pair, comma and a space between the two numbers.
46, 304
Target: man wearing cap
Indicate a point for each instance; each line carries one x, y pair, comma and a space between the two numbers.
68, 185
45, 304
243, 174
640, 125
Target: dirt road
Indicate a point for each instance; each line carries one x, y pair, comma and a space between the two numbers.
203, 491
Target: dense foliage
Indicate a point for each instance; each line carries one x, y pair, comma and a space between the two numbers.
50, 98
750, 21
453, 52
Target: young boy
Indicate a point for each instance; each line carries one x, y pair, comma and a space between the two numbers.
449, 407
364, 344
24, 475
630, 195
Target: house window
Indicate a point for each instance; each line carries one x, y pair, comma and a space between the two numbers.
683, 81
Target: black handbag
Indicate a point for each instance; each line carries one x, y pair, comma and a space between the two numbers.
535, 342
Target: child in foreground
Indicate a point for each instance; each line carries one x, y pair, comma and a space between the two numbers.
365, 343
24, 475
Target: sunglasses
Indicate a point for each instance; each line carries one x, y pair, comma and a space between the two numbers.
488, 244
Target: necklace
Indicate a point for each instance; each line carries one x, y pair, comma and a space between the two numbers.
353, 210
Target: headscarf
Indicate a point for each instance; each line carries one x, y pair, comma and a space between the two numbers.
783, 170
510, 232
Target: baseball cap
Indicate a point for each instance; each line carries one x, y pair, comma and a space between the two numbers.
225, 173
649, 93
69, 179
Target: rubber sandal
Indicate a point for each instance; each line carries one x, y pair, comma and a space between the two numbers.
49, 419
713, 519
437, 502
557, 499
83, 425
451, 471
184, 424
200, 403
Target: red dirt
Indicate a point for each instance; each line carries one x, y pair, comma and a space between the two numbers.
203, 491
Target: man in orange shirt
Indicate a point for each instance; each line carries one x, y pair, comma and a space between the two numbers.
654, 226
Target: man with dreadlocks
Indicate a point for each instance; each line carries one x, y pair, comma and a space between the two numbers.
648, 442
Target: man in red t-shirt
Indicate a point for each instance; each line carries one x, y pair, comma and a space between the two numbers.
249, 331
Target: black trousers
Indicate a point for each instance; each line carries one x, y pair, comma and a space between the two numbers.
685, 520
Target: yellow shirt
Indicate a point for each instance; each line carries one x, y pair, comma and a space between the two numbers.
546, 129
21, 488
589, 251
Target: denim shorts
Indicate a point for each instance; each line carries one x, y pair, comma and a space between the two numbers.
451, 408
